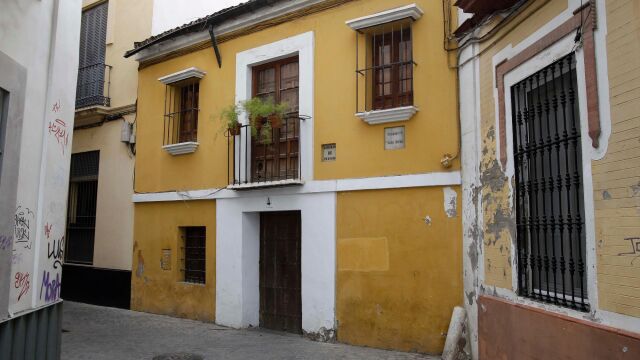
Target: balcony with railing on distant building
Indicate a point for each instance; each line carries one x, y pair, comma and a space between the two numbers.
94, 82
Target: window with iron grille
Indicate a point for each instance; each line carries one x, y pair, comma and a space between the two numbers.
93, 73
181, 112
387, 78
81, 209
548, 172
194, 254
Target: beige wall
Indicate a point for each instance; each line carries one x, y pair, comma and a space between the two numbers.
128, 21
114, 215
616, 178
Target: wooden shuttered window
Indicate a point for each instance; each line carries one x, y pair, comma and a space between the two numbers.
91, 68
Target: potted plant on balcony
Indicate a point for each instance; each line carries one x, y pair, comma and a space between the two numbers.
230, 117
261, 112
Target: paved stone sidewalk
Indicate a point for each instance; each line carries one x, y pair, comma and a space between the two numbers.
97, 333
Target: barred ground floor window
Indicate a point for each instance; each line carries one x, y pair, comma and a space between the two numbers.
549, 191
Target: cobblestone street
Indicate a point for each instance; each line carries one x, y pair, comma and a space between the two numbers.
96, 333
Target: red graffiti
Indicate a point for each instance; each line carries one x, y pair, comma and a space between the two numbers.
56, 107
47, 230
22, 282
58, 129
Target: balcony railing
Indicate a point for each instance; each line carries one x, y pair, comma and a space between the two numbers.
93, 86
268, 158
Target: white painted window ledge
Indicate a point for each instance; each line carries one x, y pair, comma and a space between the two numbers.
388, 115
265, 184
181, 148
411, 11
189, 73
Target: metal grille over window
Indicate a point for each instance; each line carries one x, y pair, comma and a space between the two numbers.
384, 73
548, 167
181, 112
93, 74
194, 254
81, 213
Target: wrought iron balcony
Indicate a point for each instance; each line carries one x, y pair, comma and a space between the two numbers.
93, 86
265, 158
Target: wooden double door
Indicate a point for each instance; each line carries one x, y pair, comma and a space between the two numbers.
280, 274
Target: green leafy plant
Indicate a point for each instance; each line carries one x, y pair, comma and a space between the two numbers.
266, 133
230, 116
262, 111
264, 115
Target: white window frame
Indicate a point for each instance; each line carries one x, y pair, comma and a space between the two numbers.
301, 45
531, 66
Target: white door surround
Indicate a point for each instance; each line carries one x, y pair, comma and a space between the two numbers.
238, 254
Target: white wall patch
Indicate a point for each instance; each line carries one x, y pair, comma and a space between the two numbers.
450, 202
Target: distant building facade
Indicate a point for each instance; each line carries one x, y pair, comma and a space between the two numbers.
550, 113
38, 68
100, 218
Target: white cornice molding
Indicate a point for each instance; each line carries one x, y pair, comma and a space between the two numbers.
388, 115
244, 21
452, 178
191, 72
411, 11
181, 148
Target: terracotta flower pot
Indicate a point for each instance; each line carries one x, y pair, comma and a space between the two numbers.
276, 121
235, 130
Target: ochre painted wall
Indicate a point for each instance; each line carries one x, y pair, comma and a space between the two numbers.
616, 178
398, 277
163, 291
431, 133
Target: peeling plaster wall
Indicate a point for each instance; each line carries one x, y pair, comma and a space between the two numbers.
488, 213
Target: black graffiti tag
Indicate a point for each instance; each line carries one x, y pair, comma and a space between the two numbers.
635, 248
55, 251
22, 226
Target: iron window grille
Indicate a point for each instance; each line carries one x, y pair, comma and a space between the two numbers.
548, 169
384, 67
81, 209
181, 112
193, 260
93, 74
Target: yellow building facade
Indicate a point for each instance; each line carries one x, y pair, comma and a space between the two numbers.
356, 234
548, 242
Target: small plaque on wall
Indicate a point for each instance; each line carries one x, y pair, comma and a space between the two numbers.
165, 260
394, 138
328, 152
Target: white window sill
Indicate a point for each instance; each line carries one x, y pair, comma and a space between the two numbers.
387, 115
181, 148
265, 184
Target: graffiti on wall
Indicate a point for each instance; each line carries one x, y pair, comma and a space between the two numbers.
23, 221
55, 251
6, 242
22, 283
635, 249
58, 129
50, 287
